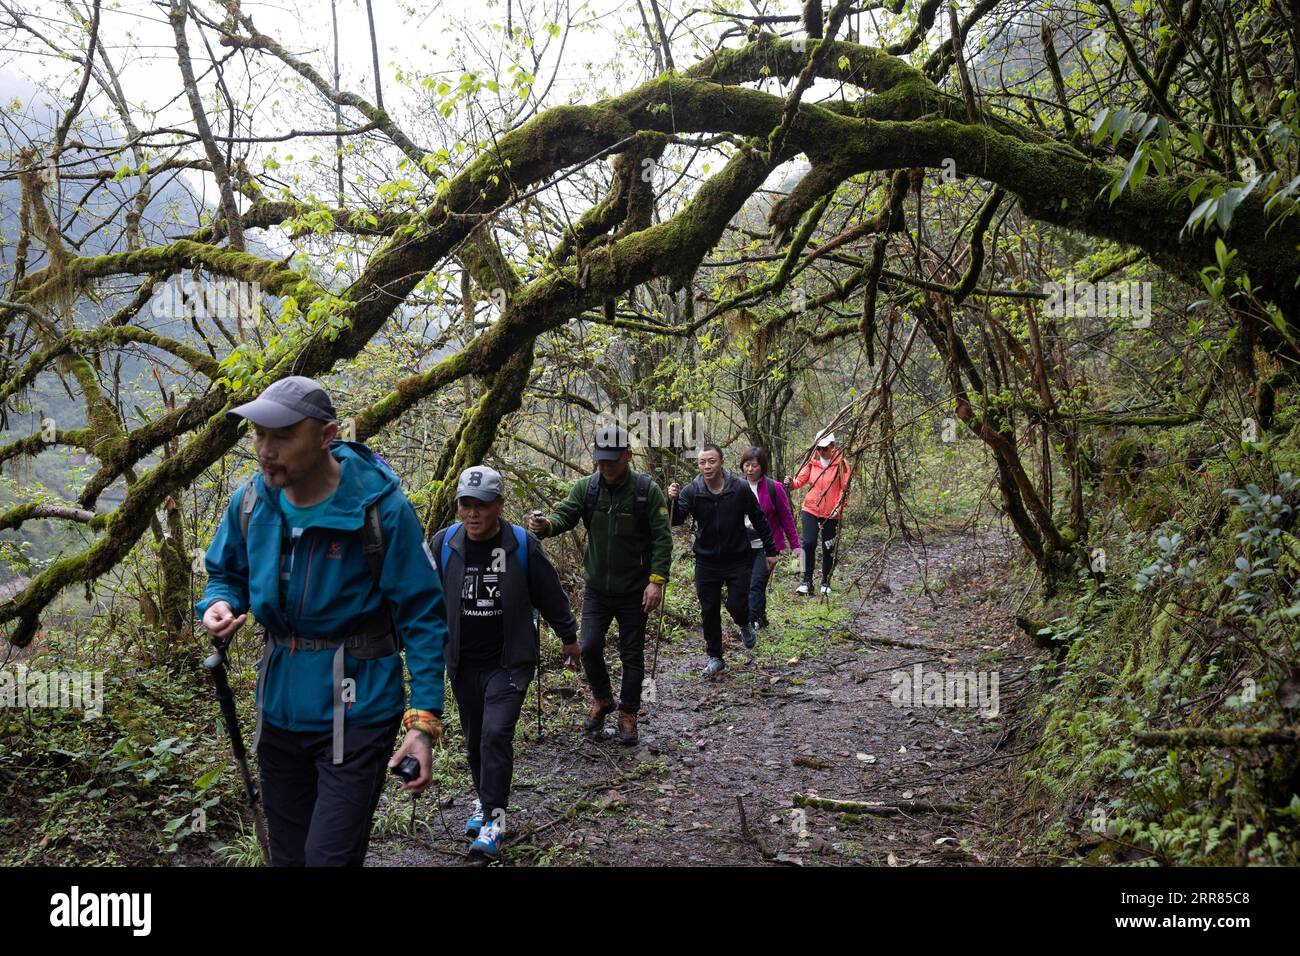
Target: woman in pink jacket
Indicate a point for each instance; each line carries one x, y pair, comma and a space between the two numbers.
775, 503
826, 473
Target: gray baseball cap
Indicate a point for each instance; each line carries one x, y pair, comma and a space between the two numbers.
611, 442
479, 482
287, 402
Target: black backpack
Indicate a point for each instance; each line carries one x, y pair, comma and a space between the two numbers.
640, 503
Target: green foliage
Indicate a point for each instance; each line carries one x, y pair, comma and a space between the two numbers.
1167, 651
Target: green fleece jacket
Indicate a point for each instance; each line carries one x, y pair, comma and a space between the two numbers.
620, 558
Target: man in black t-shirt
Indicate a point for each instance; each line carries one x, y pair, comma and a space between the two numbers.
494, 573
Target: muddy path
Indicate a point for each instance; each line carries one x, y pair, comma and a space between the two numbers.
723, 770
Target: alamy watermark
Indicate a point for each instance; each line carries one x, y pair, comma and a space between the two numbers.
1115, 300
652, 428
24, 687
922, 688
216, 297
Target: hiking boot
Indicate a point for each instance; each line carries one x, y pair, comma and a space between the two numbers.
713, 668
627, 729
749, 635
594, 722
487, 845
475, 821
803, 588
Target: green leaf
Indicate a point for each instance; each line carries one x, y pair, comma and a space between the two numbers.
1099, 126
1227, 206
209, 778
1221, 254
1204, 209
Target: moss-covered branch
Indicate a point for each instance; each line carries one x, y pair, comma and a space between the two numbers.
1237, 737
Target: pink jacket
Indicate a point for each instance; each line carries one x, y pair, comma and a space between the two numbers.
777, 512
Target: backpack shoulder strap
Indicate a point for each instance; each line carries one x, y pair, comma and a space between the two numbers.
373, 545
642, 491
444, 553
521, 536
641, 503
246, 505
589, 505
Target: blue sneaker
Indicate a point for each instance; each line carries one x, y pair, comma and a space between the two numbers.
487, 845
475, 821
713, 668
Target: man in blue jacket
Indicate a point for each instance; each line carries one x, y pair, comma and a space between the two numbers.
329, 556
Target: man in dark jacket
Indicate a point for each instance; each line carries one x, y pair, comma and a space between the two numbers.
495, 574
719, 502
291, 550
626, 564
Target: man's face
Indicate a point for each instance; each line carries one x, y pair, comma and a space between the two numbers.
288, 455
479, 516
827, 450
710, 464
613, 471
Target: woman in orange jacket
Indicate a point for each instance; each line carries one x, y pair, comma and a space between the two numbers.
826, 472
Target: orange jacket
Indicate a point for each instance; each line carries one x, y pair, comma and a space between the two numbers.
826, 485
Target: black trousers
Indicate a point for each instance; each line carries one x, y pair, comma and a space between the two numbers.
319, 814
809, 527
710, 576
489, 702
598, 611
758, 588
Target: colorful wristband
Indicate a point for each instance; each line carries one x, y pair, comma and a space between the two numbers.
423, 720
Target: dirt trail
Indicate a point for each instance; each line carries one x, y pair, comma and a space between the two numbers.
768, 730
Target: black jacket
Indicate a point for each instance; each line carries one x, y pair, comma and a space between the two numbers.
543, 592
720, 532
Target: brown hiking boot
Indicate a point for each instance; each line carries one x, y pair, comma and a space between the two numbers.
594, 722
627, 729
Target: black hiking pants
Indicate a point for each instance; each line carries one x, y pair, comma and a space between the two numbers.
598, 612
710, 575
758, 588
319, 814
810, 526
489, 702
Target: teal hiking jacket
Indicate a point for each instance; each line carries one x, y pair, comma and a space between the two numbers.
330, 591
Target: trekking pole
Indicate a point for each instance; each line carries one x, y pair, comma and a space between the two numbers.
659, 632
215, 665
537, 631
839, 529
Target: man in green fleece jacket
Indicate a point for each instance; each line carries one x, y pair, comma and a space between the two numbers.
629, 553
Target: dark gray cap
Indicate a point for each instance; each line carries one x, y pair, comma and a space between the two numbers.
287, 402
479, 482
611, 442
